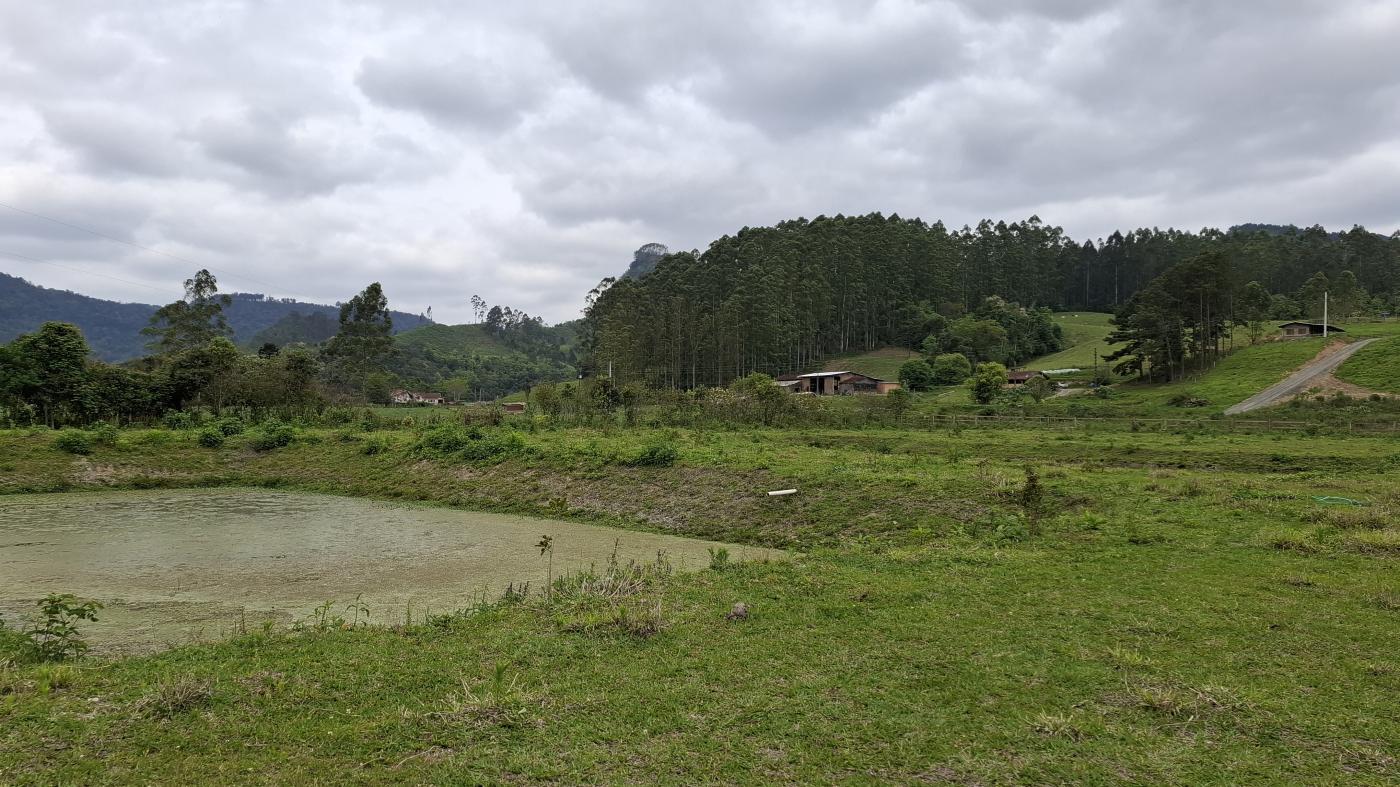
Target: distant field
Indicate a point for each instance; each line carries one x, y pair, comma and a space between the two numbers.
883, 363
1376, 367
1085, 334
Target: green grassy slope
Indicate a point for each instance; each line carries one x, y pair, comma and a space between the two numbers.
1084, 335
1376, 367
1189, 615
883, 363
452, 340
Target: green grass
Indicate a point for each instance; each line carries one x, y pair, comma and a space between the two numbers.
453, 340
1188, 615
1376, 366
1085, 334
883, 363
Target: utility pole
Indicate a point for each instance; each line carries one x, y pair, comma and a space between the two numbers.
1324, 314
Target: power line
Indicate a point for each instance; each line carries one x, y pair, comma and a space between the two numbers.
82, 271
133, 244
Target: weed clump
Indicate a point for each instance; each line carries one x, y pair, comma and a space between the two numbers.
468, 445
210, 438
104, 433
73, 441
273, 434
654, 455
174, 697
53, 635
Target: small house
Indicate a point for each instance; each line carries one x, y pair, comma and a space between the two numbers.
842, 383
404, 396
1023, 376
513, 407
1302, 330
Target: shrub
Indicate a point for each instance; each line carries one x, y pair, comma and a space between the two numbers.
104, 433
378, 444
951, 369
210, 438
228, 427
1188, 399
273, 434
916, 375
74, 442
471, 445
177, 419
988, 382
54, 635
654, 455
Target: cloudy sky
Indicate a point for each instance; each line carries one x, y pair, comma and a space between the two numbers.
523, 150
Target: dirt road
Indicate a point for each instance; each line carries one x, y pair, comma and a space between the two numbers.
1298, 381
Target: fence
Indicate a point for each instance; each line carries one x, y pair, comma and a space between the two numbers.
955, 420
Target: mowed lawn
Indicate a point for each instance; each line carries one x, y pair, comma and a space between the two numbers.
883, 363
1376, 366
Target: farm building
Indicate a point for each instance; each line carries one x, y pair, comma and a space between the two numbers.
514, 407
1302, 330
827, 383
1023, 376
404, 396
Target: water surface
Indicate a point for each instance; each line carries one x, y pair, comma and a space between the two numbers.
179, 565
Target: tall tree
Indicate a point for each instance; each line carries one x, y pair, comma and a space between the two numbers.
364, 341
192, 321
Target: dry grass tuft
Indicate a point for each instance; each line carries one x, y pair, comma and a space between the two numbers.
175, 696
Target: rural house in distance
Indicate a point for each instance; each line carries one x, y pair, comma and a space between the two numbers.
404, 396
827, 383
1302, 330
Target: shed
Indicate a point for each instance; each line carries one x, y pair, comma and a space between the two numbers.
1302, 330
1023, 376
843, 382
514, 407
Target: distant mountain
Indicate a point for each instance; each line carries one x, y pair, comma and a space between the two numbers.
297, 328
114, 329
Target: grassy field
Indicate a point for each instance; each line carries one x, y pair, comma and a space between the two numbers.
1186, 614
1376, 367
1084, 337
453, 340
883, 363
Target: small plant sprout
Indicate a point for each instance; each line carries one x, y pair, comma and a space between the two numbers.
546, 545
54, 635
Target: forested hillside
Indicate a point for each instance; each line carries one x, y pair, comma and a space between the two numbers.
114, 329
782, 298
482, 361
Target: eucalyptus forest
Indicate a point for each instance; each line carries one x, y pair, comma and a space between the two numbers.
778, 299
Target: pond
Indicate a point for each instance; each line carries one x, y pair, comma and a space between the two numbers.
174, 566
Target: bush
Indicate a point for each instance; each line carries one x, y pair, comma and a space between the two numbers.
951, 369
916, 375
273, 434
987, 384
378, 444
74, 442
228, 427
1188, 399
54, 633
471, 445
210, 438
654, 455
177, 419
104, 433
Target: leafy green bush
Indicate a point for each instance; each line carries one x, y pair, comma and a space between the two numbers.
916, 375
471, 445
230, 426
104, 433
374, 445
951, 369
210, 437
177, 419
74, 442
273, 434
53, 636
654, 455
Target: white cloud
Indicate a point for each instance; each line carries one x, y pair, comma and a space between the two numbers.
522, 151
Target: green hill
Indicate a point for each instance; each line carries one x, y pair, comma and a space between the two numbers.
472, 362
883, 363
1085, 335
1376, 367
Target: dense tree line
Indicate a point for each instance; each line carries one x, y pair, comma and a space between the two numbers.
779, 299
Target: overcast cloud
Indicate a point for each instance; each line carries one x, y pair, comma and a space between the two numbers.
523, 150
